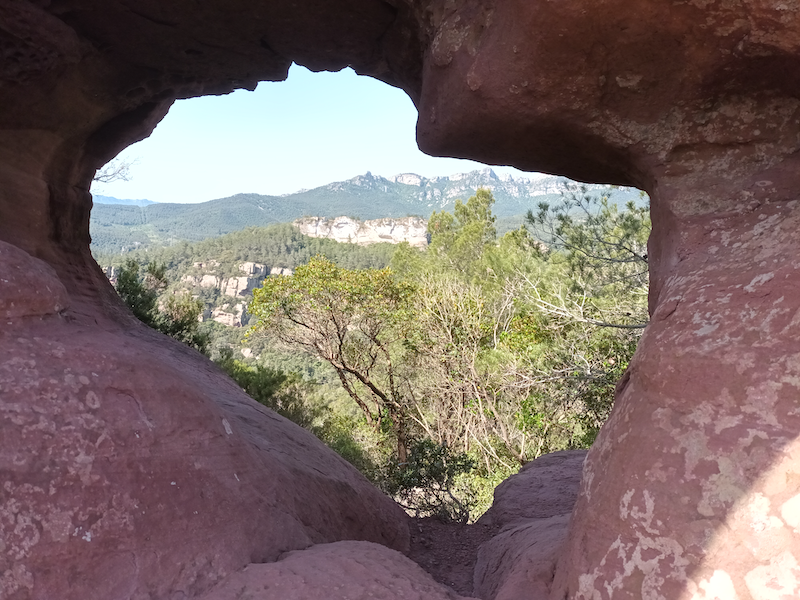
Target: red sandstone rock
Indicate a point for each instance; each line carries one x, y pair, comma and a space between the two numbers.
692, 488
132, 468
532, 508
338, 571
519, 563
543, 488
30, 287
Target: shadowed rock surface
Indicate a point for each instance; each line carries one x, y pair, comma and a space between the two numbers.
132, 468
693, 487
339, 571
531, 510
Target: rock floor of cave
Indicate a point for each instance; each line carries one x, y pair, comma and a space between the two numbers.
448, 551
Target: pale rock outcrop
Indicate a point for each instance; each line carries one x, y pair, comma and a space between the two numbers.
112, 273
253, 269
408, 179
204, 280
234, 287
348, 230
209, 281
240, 286
235, 317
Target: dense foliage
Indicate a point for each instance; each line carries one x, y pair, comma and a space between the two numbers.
281, 246
441, 374
490, 352
175, 316
355, 320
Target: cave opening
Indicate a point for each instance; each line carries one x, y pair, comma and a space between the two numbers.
218, 165
127, 458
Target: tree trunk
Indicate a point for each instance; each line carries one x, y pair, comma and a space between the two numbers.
401, 433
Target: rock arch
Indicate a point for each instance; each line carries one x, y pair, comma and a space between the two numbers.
692, 489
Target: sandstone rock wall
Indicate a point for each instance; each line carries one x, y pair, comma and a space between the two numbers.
691, 489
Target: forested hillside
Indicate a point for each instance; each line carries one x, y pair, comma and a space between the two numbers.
280, 245
118, 228
212, 269
438, 375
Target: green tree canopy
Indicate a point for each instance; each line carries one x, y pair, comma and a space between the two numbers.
178, 317
357, 321
459, 239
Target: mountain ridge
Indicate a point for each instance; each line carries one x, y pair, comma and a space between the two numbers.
120, 227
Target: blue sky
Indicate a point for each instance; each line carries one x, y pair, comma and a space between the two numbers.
312, 129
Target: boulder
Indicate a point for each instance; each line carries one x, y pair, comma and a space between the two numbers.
519, 563
543, 488
28, 286
532, 511
337, 571
132, 468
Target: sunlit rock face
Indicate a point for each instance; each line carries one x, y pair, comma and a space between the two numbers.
133, 468
692, 488
347, 230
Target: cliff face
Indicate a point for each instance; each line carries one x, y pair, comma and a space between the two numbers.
134, 463
348, 230
206, 275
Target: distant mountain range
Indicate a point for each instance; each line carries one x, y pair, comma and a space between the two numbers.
124, 225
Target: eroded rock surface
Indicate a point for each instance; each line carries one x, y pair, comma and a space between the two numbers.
132, 468
532, 512
338, 571
691, 490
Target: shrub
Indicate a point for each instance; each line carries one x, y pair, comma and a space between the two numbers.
428, 483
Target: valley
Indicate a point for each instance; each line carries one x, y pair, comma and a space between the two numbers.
118, 228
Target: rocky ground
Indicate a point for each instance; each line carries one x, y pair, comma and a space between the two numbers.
448, 551
521, 524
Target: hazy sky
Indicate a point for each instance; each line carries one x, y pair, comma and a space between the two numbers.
312, 129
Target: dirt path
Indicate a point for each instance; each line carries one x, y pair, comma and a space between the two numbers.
448, 550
